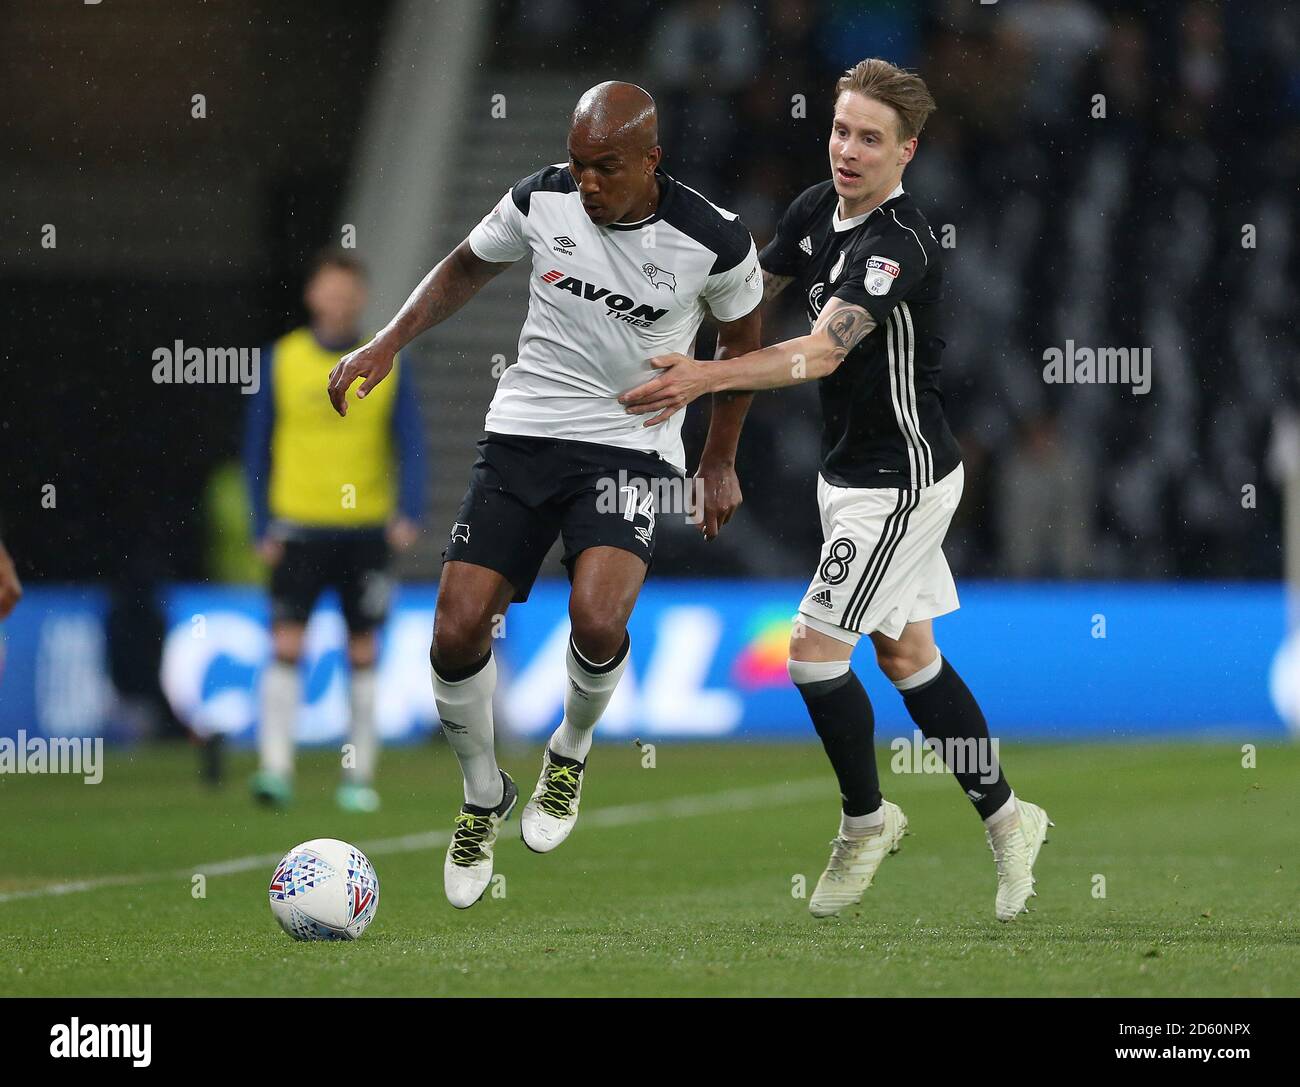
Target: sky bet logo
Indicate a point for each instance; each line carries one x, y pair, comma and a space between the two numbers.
620, 305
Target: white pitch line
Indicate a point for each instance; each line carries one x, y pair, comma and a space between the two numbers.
680, 807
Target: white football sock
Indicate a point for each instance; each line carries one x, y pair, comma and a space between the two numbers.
466, 711
924, 676
362, 733
1007, 811
805, 672
281, 690
585, 699
854, 827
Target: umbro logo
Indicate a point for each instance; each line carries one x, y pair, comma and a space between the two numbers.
451, 726
806, 246
823, 598
564, 244
584, 695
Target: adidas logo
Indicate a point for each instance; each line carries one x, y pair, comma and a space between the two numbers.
823, 598
806, 246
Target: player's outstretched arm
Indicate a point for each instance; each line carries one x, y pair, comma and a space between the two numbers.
456, 279
840, 327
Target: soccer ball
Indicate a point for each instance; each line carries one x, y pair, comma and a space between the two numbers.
324, 890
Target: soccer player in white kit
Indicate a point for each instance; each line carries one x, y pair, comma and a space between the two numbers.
890, 480
625, 263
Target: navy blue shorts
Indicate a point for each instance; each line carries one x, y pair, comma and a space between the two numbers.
525, 492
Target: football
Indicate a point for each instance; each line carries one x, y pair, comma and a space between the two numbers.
324, 889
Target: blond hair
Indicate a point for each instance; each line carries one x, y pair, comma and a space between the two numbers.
903, 91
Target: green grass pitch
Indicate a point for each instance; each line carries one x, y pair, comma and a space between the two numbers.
679, 881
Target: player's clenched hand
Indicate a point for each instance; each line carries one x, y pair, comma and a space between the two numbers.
402, 533
373, 362
271, 550
721, 487
682, 380
11, 589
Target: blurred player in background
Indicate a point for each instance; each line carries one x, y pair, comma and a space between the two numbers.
891, 475
329, 504
625, 262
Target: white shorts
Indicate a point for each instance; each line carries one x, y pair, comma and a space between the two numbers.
882, 563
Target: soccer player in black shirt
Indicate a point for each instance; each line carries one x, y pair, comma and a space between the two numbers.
891, 477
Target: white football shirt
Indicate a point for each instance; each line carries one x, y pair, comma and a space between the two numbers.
603, 300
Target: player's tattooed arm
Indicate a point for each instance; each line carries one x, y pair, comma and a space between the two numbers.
839, 329
774, 284
844, 326
456, 279
453, 282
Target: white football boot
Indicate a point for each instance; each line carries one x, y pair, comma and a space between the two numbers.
550, 816
1015, 842
854, 862
467, 871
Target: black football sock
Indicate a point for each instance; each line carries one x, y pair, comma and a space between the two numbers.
842, 715
951, 720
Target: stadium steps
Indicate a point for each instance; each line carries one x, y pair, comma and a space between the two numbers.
455, 360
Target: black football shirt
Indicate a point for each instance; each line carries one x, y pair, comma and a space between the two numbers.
882, 408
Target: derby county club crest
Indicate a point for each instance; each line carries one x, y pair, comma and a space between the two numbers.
659, 277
